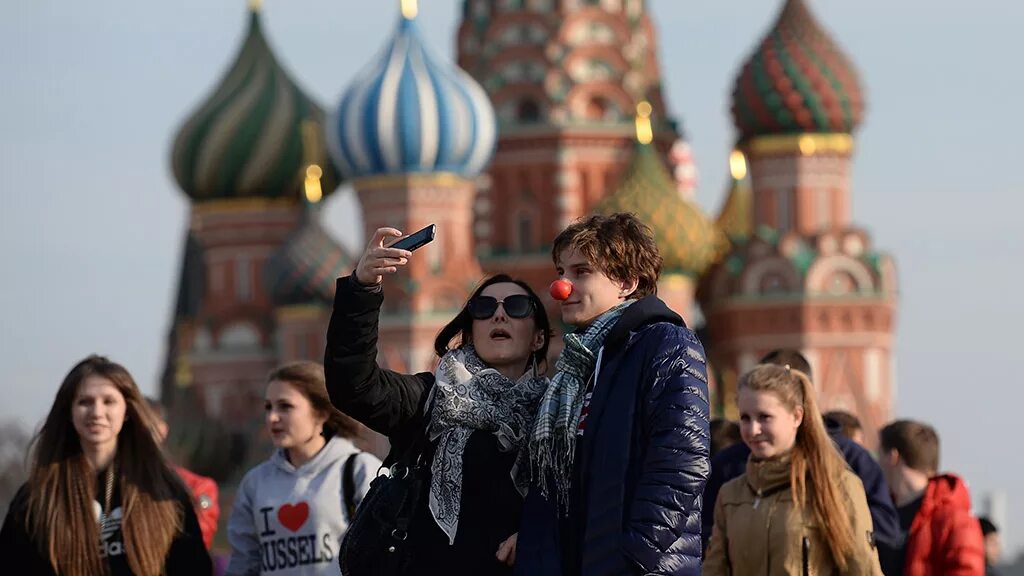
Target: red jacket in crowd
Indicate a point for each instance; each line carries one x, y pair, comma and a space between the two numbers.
945, 539
204, 499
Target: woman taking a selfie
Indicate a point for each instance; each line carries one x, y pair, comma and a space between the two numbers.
798, 509
100, 498
466, 422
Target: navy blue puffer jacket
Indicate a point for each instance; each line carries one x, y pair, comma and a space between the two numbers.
641, 466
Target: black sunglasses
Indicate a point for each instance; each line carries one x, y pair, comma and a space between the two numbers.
516, 306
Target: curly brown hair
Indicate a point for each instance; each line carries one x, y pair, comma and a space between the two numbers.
621, 246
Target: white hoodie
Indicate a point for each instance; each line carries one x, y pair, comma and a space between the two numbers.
288, 521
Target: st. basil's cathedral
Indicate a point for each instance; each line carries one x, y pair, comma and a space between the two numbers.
551, 110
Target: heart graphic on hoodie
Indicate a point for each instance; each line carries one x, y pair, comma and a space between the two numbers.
293, 517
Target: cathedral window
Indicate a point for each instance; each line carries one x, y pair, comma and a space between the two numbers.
591, 32
591, 70
217, 273
513, 71
528, 111
538, 35
824, 208
243, 280
524, 233
600, 109
784, 208
511, 36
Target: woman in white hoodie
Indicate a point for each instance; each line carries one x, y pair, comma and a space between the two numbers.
291, 512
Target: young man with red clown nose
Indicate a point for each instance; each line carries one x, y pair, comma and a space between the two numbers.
620, 445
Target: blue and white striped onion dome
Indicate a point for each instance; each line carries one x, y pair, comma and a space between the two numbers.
408, 113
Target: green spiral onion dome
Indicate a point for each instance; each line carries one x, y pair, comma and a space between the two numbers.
255, 135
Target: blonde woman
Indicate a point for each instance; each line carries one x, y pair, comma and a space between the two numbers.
798, 509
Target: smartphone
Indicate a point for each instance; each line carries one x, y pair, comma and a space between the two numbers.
416, 239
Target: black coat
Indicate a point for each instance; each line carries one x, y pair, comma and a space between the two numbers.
187, 557
641, 465
393, 404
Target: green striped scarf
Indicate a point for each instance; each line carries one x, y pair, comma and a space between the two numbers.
552, 445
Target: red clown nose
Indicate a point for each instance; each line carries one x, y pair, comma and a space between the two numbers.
560, 289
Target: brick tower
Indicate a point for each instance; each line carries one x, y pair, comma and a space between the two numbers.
565, 77
800, 274
414, 133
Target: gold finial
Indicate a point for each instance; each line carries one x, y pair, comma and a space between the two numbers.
311, 154
314, 192
644, 132
255, 5
409, 9
738, 165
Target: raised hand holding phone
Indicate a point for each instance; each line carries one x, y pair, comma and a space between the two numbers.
417, 239
379, 259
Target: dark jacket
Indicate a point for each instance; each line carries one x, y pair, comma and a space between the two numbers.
393, 404
732, 461
187, 556
641, 465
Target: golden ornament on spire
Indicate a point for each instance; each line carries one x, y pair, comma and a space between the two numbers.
409, 9
644, 131
255, 5
738, 165
314, 192
311, 152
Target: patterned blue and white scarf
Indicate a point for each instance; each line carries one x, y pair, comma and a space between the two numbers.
468, 396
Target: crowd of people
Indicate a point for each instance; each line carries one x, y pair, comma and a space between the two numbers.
605, 463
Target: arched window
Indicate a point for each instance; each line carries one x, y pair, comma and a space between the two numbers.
596, 108
524, 233
784, 221
243, 280
528, 111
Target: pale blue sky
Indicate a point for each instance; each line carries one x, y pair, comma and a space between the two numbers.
91, 222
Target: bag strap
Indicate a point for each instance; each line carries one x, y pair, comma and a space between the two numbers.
420, 441
348, 485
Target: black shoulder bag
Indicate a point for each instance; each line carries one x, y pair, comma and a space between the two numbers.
376, 543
